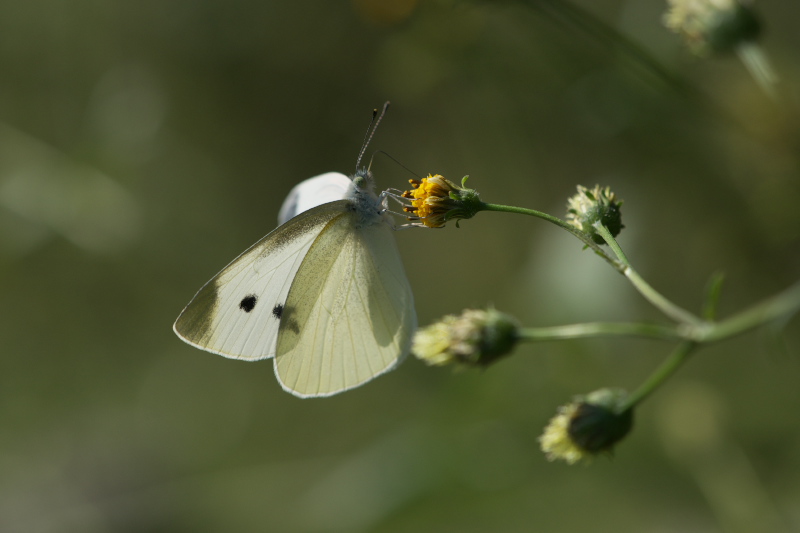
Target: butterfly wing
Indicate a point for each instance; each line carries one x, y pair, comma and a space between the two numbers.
312, 192
238, 312
349, 314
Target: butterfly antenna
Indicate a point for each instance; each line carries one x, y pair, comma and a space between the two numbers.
387, 154
376, 119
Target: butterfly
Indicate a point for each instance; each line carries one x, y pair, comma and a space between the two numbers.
325, 294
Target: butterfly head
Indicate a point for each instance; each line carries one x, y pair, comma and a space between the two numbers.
363, 180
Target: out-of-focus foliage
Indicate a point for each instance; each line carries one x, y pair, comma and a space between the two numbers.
145, 144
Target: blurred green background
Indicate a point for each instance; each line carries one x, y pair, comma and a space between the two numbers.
145, 144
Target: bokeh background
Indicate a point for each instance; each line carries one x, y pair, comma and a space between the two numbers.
145, 144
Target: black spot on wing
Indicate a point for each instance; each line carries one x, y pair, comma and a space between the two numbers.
248, 303
287, 320
277, 311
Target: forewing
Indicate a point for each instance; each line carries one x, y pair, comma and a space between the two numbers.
349, 315
238, 312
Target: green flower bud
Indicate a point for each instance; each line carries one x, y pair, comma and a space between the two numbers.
589, 207
712, 26
477, 337
588, 426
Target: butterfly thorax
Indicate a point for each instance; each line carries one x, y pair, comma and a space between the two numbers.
365, 203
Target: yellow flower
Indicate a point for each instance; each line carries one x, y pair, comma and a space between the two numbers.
435, 200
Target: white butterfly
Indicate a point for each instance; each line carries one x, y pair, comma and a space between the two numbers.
324, 294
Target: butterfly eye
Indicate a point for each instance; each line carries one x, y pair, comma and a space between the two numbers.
248, 303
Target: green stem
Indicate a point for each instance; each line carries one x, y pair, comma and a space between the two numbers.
651, 295
667, 368
558, 222
600, 329
660, 302
713, 291
691, 327
757, 63
783, 304
612, 243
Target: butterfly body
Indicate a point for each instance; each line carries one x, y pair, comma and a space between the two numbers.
325, 294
